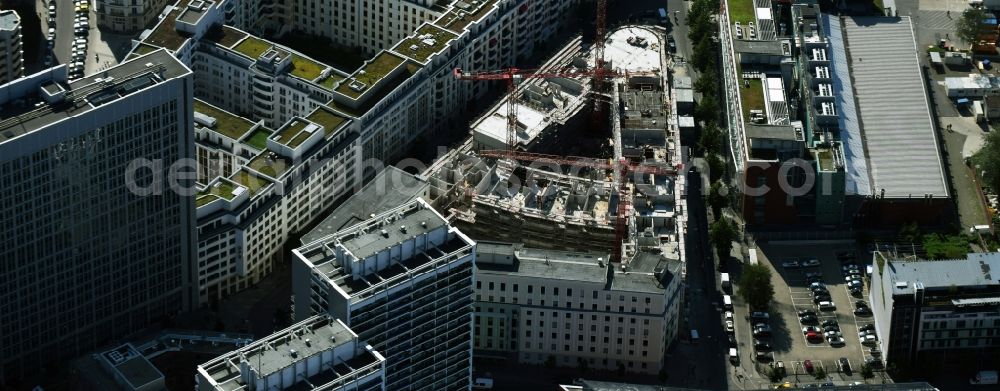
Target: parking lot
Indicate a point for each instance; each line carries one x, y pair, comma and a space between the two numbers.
794, 295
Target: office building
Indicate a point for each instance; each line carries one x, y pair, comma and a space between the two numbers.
130, 370
546, 306
11, 52
318, 353
402, 280
87, 167
928, 312
835, 158
259, 187
127, 16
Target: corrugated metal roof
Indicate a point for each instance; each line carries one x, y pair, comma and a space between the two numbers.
895, 113
857, 180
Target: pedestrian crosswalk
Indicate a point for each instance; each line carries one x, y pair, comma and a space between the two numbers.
935, 20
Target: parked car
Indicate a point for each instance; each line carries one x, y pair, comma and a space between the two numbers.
760, 316
810, 329
854, 284
807, 312
761, 345
849, 266
862, 334
856, 290
836, 341
810, 262
732, 341
827, 306
874, 351
845, 365
863, 311
729, 326
821, 297
762, 332
808, 365
813, 274
873, 362
814, 279
831, 334
764, 356
814, 337
869, 340
808, 319
831, 328
790, 264
867, 327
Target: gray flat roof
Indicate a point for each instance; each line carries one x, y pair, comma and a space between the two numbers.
322, 335
774, 132
758, 47
894, 110
550, 264
592, 385
392, 187
641, 275
84, 94
9, 20
978, 269
139, 371
365, 245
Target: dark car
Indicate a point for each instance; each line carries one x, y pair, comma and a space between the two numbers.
807, 312
845, 365
829, 322
821, 297
732, 341
761, 345
808, 364
671, 44
863, 311
809, 319
860, 303
867, 327
832, 327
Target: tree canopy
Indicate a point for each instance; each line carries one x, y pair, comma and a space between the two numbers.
987, 161
968, 26
722, 233
756, 287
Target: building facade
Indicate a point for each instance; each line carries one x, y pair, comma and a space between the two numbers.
403, 281
928, 312
318, 353
575, 309
86, 167
127, 16
11, 52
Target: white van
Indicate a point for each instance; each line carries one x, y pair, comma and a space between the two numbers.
727, 302
733, 356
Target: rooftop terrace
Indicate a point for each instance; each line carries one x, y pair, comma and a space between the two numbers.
227, 124
250, 181
270, 164
293, 133
427, 40
223, 188
463, 14
165, 35
328, 119
258, 139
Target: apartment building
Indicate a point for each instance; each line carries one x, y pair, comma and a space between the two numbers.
402, 280
87, 167
391, 97
260, 187
930, 312
318, 353
11, 52
575, 309
127, 16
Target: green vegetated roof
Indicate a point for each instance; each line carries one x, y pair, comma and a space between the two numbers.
204, 199
456, 21
221, 189
752, 96
741, 11
429, 39
226, 123
306, 68
250, 181
144, 49
825, 157
331, 80
252, 47
270, 164
165, 35
289, 134
376, 96
258, 139
225, 36
371, 73
328, 119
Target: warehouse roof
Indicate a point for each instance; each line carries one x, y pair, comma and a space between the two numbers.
893, 107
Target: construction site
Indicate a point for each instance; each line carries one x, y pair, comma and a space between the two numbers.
588, 161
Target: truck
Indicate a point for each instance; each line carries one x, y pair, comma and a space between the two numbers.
725, 281
984, 378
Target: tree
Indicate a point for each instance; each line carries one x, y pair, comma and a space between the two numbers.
987, 161
704, 56
775, 375
707, 83
722, 233
717, 197
756, 287
710, 139
867, 372
820, 373
707, 110
968, 26
716, 166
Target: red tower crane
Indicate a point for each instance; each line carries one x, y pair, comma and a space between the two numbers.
621, 168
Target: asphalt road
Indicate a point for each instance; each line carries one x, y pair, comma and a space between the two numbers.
64, 28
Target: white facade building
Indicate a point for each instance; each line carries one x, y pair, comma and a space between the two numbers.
11, 52
318, 353
540, 306
126, 16
403, 281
